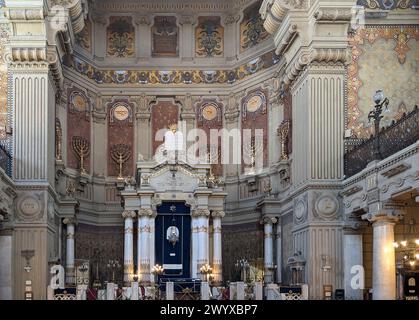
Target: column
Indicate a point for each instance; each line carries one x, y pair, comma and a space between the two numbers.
268, 247
128, 246
353, 266
202, 237
217, 248
194, 257
383, 259
69, 264
143, 256
152, 233
278, 254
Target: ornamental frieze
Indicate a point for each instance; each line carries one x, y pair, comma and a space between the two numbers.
177, 77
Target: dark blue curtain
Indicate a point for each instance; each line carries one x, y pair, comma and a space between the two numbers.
175, 255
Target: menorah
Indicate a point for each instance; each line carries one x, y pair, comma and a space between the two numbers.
283, 131
214, 155
82, 148
251, 149
120, 153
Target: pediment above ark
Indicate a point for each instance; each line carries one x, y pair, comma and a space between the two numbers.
170, 179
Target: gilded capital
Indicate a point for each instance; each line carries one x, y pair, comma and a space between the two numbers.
128, 214
218, 214
145, 212
200, 213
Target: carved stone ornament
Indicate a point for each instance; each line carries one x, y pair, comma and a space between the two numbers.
30, 207
300, 211
326, 206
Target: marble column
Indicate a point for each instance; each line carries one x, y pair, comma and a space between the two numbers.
194, 244
217, 247
143, 247
69, 265
353, 265
278, 254
268, 247
201, 229
152, 233
128, 246
383, 259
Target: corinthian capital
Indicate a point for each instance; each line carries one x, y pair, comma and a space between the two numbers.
269, 220
128, 214
145, 212
218, 214
70, 220
200, 213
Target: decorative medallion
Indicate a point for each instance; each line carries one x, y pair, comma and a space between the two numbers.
121, 112
29, 207
326, 206
254, 102
209, 112
78, 101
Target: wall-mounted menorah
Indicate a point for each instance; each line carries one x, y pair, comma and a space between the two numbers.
82, 148
120, 153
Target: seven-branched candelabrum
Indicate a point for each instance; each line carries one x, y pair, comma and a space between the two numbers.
120, 153
82, 148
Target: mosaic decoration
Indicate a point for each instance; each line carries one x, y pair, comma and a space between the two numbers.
209, 35
386, 4
165, 37
78, 125
84, 38
252, 31
4, 37
120, 37
163, 114
153, 77
120, 132
383, 57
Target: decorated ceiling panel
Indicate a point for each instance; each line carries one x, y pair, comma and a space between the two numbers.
209, 37
120, 38
84, 38
165, 37
252, 31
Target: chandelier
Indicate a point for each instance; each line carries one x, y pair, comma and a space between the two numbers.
408, 247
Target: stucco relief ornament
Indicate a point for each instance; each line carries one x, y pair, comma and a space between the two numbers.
300, 211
